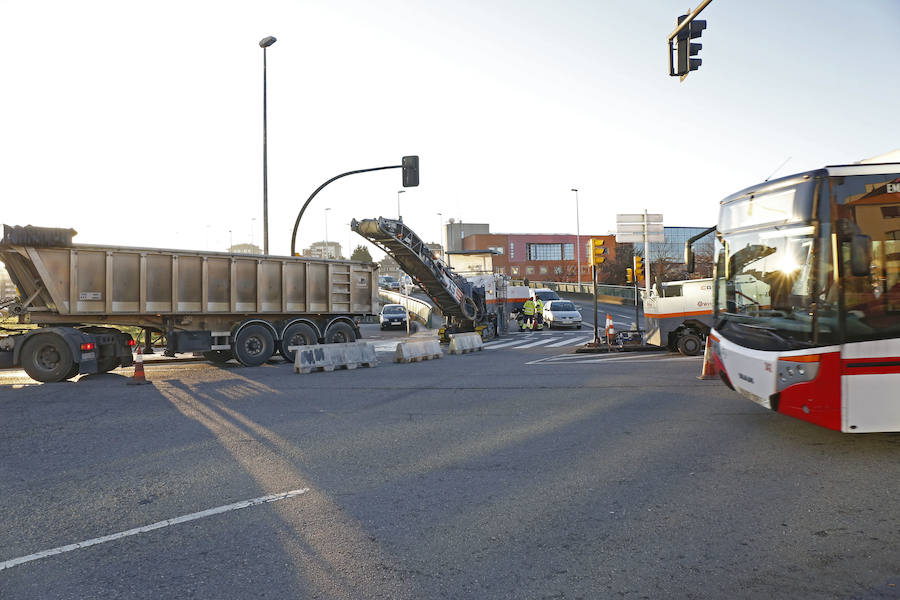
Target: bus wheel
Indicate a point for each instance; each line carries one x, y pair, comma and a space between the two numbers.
46, 358
690, 344
254, 345
339, 333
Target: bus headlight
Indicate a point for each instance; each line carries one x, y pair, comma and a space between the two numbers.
797, 369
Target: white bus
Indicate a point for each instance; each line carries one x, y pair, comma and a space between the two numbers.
807, 296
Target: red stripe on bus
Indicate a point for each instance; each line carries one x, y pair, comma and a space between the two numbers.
871, 366
681, 314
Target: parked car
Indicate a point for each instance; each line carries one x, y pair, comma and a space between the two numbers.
561, 313
389, 283
393, 315
545, 294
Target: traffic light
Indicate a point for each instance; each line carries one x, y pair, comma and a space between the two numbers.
686, 49
410, 166
629, 275
638, 268
597, 252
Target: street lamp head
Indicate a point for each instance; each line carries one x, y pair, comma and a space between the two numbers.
574, 189
267, 41
401, 191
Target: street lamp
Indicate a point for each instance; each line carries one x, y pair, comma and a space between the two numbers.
441, 232
577, 236
399, 217
265, 43
327, 249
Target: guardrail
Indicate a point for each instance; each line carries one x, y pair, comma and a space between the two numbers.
621, 293
420, 311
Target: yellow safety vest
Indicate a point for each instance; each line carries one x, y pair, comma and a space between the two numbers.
528, 308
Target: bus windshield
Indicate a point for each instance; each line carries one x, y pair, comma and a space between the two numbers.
765, 286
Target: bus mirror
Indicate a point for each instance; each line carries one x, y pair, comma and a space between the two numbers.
689, 259
860, 254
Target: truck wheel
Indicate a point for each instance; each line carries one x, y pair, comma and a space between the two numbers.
46, 358
690, 344
254, 345
340, 333
218, 357
298, 334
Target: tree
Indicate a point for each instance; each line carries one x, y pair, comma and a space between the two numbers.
613, 271
361, 254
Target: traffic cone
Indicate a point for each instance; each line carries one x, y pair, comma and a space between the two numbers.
139, 378
610, 329
709, 368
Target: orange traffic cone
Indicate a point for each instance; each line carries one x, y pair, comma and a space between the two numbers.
709, 368
138, 378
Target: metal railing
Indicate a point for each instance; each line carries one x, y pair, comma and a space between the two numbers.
626, 292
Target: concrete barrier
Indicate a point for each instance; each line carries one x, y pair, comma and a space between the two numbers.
416, 350
461, 343
328, 357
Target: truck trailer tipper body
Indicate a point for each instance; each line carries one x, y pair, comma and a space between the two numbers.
224, 305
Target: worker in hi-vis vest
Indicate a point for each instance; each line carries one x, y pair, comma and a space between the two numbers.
538, 313
528, 309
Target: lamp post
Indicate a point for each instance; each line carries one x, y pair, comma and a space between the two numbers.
327, 249
349, 236
441, 232
399, 216
577, 236
265, 43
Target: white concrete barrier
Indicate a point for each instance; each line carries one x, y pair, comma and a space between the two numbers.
328, 357
461, 343
414, 351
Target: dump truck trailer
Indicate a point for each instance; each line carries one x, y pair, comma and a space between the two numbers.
223, 305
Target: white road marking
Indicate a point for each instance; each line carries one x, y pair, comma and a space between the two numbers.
539, 342
158, 525
583, 360
571, 341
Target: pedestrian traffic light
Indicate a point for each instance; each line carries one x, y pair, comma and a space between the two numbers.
686, 49
629, 275
597, 252
638, 268
410, 166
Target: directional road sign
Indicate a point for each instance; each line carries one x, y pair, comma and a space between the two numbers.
639, 228
638, 218
639, 237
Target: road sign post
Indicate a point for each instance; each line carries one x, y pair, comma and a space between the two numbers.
596, 333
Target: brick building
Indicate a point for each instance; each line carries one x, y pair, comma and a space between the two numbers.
539, 256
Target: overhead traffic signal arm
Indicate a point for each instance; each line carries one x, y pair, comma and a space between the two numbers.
688, 27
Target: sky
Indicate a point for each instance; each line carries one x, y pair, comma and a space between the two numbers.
140, 123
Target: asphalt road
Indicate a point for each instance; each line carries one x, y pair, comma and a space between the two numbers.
516, 472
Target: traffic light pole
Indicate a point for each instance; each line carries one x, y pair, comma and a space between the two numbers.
596, 326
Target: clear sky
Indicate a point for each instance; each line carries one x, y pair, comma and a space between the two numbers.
140, 123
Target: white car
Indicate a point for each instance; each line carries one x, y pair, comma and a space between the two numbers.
561, 313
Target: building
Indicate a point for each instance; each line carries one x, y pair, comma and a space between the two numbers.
539, 256
323, 250
667, 257
389, 266
456, 231
245, 249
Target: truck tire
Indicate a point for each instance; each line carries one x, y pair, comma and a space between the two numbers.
218, 357
339, 333
47, 358
298, 334
690, 344
254, 345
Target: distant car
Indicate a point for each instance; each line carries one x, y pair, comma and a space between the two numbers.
393, 315
389, 283
545, 294
406, 285
561, 313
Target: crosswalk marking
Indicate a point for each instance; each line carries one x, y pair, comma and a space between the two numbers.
539, 342
571, 342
